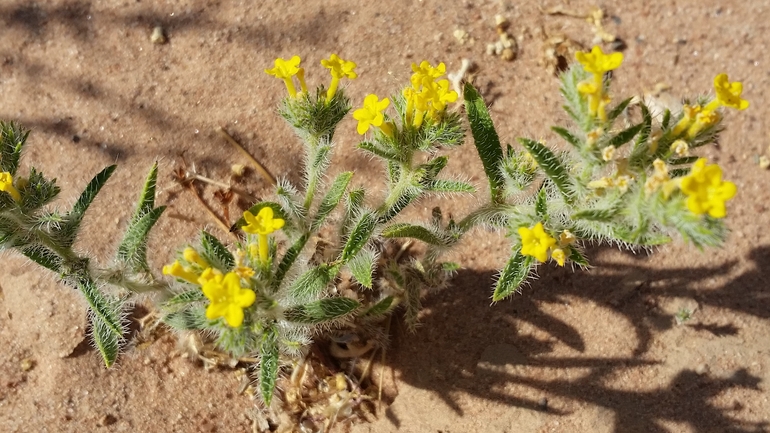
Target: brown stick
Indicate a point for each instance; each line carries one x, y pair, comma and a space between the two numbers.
260, 168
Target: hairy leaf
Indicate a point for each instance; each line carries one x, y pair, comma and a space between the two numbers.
133, 249
406, 230
625, 135
332, 199
362, 267
566, 135
216, 253
485, 139
359, 236
381, 308
312, 283
107, 326
268, 363
515, 272
321, 311
551, 166
618, 110
43, 256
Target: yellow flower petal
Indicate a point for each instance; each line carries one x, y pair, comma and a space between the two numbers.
596, 62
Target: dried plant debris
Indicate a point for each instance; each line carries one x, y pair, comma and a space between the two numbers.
505, 47
558, 52
595, 17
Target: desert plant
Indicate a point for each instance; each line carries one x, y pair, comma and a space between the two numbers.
628, 182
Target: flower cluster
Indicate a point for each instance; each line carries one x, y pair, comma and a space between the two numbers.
597, 63
706, 191
286, 69
535, 242
428, 96
227, 294
696, 118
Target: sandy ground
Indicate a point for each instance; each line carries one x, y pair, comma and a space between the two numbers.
597, 351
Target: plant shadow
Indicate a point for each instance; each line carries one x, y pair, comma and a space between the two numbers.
452, 355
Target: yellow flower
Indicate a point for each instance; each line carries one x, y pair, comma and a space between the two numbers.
703, 120
228, 298
729, 94
244, 272
536, 242
6, 184
192, 256
680, 148
339, 69
608, 153
178, 271
559, 255
263, 223
706, 191
371, 114
207, 275
425, 73
596, 62
285, 69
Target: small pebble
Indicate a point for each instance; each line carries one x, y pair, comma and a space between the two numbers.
158, 36
27, 364
543, 404
107, 420
701, 369
764, 162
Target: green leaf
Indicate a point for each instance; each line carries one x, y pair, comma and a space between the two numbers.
684, 160
73, 219
216, 253
666, 119
331, 199
43, 256
146, 201
313, 282
626, 135
186, 297
37, 192
576, 104
646, 130
515, 272
133, 249
373, 148
541, 204
321, 311
268, 364
601, 215
381, 308
450, 186
106, 323
12, 139
187, 319
362, 267
288, 259
566, 135
485, 139
618, 110
359, 236
551, 166
577, 257
254, 210
405, 230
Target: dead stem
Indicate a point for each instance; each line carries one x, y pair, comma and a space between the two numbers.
241, 192
260, 168
222, 225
